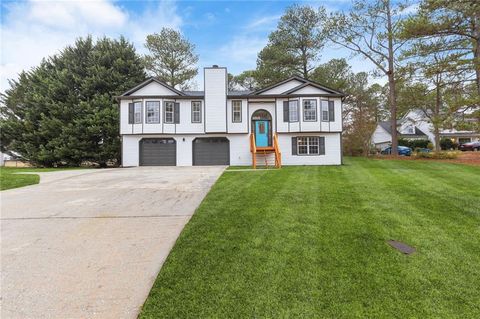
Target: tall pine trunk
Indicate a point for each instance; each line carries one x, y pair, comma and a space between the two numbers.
476, 51
391, 82
436, 124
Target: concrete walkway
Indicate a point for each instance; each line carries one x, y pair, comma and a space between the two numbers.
90, 243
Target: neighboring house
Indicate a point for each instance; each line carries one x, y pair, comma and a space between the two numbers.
415, 125
297, 119
460, 137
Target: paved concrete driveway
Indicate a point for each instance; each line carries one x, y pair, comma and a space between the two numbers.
89, 243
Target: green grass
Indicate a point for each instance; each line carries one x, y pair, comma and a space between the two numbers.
8, 178
305, 242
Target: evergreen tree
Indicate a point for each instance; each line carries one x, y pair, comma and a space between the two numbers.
63, 111
171, 58
449, 31
294, 47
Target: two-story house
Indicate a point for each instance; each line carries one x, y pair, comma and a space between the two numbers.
294, 122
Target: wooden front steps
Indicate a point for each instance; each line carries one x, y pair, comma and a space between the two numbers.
265, 152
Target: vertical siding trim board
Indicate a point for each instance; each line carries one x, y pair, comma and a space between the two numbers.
248, 115
276, 120
319, 117
226, 101
143, 112
299, 113
288, 101
341, 148
205, 102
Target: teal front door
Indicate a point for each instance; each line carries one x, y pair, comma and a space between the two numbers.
261, 133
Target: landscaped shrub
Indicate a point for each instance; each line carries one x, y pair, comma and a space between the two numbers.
448, 144
437, 155
413, 144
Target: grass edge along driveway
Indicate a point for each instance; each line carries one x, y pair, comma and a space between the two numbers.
9, 179
310, 242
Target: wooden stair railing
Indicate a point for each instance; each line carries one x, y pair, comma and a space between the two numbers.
265, 151
278, 155
253, 150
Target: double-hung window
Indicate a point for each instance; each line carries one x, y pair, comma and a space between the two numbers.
325, 111
196, 112
308, 145
236, 111
309, 110
293, 110
169, 111
137, 112
152, 109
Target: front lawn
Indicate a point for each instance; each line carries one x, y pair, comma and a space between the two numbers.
8, 178
305, 242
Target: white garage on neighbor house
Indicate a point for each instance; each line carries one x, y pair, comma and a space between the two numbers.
294, 122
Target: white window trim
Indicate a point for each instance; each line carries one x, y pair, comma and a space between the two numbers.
308, 145
290, 108
314, 110
166, 121
199, 111
156, 111
238, 112
137, 112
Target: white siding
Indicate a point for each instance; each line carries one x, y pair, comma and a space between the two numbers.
186, 125
283, 87
153, 88
216, 99
310, 90
237, 127
381, 137
239, 149
303, 126
152, 127
130, 150
125, 128
332, 150
309, 126
337, 126
281, 125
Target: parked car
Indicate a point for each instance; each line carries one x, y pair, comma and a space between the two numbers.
402, 150
472, 146
423, 150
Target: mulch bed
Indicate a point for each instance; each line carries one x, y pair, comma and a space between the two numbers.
468, 158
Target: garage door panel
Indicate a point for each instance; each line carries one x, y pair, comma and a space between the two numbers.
211, 151
158, 152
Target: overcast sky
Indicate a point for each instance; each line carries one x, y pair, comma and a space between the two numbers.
225, 33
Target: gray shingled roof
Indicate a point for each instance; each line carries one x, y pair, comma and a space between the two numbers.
386, 126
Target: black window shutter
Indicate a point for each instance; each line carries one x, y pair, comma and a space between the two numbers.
131, 111
331, 111
286, 113
294, 146
176, 113
321, 145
